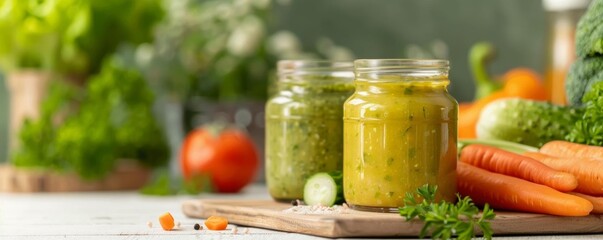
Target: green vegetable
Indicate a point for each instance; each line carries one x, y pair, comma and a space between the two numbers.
502, 144
444, 220
324, 189
479, 56
589, 34
588, 68
163, 184
589, 129
35, 136
88, 131
527, 122
583, 73
71, 37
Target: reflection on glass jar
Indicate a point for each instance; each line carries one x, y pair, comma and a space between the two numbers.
400, 132
304, 126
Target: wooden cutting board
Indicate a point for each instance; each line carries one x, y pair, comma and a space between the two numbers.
269, 214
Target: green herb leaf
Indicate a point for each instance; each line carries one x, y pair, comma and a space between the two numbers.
589, 129
445, 220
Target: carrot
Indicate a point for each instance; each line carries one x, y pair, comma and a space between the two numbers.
569, 149
588, 171
500, 161
596, 201
167, 221
216, 223
511, 193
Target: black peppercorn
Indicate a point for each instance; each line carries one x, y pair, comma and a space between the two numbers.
294, 203
197, 226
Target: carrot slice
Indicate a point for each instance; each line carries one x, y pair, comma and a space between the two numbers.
511, 193
569, 149
500, 161
167, 221
596, 201
216, 223
588, 171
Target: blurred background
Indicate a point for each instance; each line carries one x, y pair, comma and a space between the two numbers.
209, 60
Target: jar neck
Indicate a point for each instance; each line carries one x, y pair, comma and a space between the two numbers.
315, 77
401, 75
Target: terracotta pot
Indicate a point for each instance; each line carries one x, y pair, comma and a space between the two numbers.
27, 89
128, 175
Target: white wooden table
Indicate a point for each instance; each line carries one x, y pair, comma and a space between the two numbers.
124, 215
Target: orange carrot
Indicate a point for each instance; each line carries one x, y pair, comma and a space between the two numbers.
216, 223
511, 193
511, 164
167, 221
596, 201
568, 149
588, 171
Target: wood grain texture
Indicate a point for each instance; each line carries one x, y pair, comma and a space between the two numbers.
127, 176
124, 215
269, 214
117, 215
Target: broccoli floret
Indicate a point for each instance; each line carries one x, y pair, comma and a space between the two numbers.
589, 35
583, 73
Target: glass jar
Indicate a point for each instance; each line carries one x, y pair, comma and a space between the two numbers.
400, 132
563, 17
304, 124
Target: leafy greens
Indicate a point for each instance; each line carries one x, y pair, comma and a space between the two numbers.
589, 129
445, 220
71, 37
88, 131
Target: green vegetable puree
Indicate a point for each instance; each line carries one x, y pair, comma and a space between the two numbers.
398, 136
304, 133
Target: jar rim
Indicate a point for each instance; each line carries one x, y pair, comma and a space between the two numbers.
291, 66
394, 70
392, 64
309, 70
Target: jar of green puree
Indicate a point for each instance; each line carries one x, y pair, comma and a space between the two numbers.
304, 124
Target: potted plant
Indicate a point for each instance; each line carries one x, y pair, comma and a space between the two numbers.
64, 41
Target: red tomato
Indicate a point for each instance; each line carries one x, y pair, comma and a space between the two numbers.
229, 157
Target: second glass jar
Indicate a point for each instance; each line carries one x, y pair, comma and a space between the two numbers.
304, 126
400, 132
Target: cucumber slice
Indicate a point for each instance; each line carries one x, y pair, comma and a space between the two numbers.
324, 189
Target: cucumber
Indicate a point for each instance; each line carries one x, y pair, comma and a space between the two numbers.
324, 189
527, 122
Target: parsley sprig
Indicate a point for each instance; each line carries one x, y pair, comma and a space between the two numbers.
589, 129
445, 220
